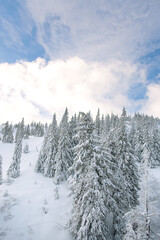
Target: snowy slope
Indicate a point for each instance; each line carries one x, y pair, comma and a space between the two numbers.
28, 209
154, 201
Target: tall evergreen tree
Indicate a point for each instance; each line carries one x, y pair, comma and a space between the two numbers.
0, 169
131, 226
102, 127
91, 185
138, 220
20, 130
64, 155
14, 169
127, 162
113, 121
118, 193
156, 147
5, 132
42, 157
139, 138
45, 127
52, 148
107, 123
26, 148
131, 135
127, 174
98, 122
72, 133
148, 142
10, 138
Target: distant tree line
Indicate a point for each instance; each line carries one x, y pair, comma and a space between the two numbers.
8, 132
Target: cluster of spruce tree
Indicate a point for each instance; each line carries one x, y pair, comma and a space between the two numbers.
34, 129
55, 157
7, 133
101, 157
14, 168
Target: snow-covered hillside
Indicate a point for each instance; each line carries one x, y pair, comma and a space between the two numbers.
28, 208
154, 201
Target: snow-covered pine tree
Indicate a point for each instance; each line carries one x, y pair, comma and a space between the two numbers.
26, 148
131, 135
92, 185
10, 138
156, 147
102, 127
131, 226
127, 162
113, 121
138, 138
26, 132
7, 132
72, 133
0, 169
14, 169
107, 122
39, 130
45, 128
127, 173
64, 155
151, 141
118, 193
20, 130
144, 189
40, 164
148, 142
72, 128
138, 219
52, 148
98, 123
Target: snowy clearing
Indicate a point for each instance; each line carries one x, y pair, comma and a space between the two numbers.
28, 208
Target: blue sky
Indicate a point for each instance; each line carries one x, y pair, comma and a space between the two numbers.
17, 34
119, 38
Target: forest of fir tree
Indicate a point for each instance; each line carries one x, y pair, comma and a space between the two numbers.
102, 161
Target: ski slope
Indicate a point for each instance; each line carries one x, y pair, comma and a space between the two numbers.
28, 208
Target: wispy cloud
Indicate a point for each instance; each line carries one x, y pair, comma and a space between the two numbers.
17, 33
97, 30
13, 38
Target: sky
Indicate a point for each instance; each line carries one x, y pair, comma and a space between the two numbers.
83, 55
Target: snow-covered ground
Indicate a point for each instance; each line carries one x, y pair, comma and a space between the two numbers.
28, 208
154, 202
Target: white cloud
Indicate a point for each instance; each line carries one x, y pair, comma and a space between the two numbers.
152, 103
35, 90
97, 30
